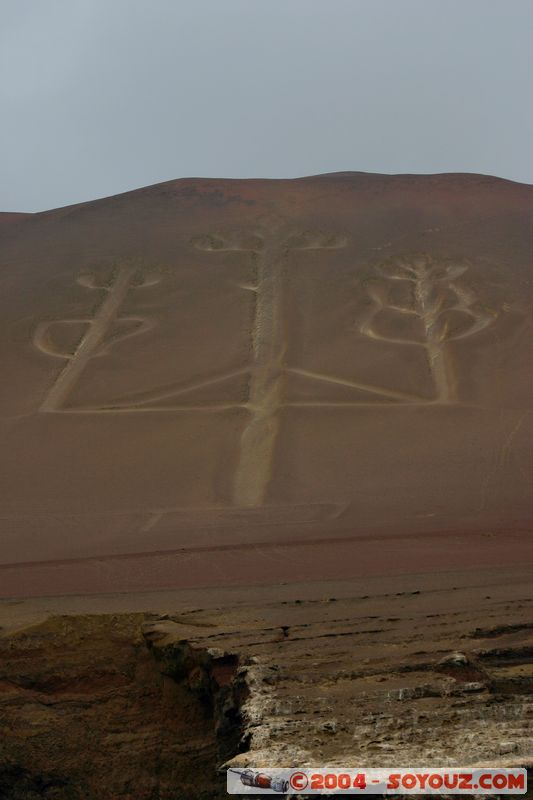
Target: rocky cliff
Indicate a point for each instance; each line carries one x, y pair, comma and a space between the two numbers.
151, 705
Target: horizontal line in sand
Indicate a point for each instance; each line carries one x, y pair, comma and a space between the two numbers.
269, 544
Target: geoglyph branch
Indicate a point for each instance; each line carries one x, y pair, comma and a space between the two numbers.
427, 291
100, 330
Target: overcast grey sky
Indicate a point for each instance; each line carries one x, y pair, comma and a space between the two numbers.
101, 96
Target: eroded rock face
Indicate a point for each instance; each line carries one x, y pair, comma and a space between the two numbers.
332, 369
102, 707
150, 706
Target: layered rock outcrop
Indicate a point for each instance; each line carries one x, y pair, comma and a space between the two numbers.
151, 706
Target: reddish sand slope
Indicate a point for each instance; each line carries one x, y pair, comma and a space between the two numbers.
239, 382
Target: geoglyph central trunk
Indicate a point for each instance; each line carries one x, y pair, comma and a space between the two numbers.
269, 344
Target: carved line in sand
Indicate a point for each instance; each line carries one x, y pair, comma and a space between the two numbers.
190, 518
432, 283
216, 517
434, 296
269, 346
98, 337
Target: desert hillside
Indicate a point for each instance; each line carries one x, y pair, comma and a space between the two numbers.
265, 466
